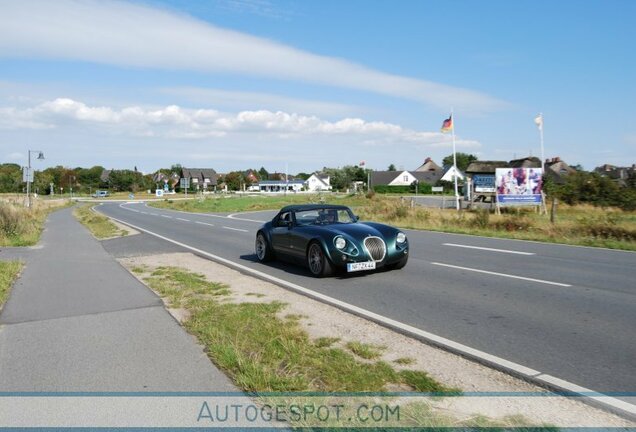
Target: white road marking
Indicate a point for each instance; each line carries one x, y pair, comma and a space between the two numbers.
166, 216
502, 274
154, 214
498, 363
182, 219
203, 223
488, 249
236, 229
143, 212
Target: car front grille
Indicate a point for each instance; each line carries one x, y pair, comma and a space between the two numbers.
376, 248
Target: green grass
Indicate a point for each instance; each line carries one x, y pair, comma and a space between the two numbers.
9, 271
233, 203
366, 351
262, 352
21, 226
325, 342
404, 361
100, 226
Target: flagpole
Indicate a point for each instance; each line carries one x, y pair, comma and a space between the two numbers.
454, 159
541, 135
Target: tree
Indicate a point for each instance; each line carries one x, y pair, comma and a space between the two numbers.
10, 178
391, 168
264, 175
463, 160
233, 180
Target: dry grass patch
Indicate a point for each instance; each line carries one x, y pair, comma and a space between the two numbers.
100, 226
9, 271
22, 226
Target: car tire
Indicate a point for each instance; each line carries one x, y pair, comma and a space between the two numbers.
262, 248
400, 264
318, 263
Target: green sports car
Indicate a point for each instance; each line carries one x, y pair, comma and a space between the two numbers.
327, 237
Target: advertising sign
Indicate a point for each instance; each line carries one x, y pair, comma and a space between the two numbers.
518, 186
484, 182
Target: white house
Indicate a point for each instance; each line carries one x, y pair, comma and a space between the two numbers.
318, 182
404, 178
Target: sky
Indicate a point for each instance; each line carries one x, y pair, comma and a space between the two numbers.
300, 85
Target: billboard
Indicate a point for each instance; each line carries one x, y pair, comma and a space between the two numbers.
518, 186
484, 182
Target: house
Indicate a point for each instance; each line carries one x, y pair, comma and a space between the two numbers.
429, 165
318, 182
404, 178
281, 185
251, 176
619, 174
557, 170
527, 162
172, 179
451, 173
200, 178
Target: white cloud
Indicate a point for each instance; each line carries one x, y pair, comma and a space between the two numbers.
125, 34
182, 123
241, 100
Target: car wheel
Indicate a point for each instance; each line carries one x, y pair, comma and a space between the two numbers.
262, 248
319, 265
400, 264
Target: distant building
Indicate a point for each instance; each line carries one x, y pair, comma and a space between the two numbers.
200, 178
557, 170
318, 182
281, 185
619, 174
428, 166
404, 178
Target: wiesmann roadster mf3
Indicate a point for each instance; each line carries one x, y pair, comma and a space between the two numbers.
327, 237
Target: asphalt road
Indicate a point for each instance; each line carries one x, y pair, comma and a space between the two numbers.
567, 311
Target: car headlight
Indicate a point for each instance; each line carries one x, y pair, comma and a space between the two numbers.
401, 237
340, 243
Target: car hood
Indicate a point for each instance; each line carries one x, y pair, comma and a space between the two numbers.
357, 231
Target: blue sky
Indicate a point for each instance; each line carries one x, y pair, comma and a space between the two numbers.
232, 84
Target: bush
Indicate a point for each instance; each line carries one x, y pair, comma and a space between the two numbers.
11, 219
481, 219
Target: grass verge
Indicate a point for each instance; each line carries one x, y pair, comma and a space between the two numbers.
265, 351
21, 226
9, 271
100, 226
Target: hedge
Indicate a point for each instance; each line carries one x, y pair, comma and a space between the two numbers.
423, 188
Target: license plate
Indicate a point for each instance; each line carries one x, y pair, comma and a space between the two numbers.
360, 266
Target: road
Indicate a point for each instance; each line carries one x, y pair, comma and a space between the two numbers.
566, 311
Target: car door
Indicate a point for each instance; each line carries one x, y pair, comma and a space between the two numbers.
281, 233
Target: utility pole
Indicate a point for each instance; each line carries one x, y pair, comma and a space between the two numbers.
29, 174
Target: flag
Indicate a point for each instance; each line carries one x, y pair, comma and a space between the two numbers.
538, 120
447, 126
362, 163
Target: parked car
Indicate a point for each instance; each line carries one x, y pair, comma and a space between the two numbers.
100, 194
329, 237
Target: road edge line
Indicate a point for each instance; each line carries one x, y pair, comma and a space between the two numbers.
598, 400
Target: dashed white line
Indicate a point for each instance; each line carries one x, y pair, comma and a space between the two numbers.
203, 223
488, 249
236, 229
502, 274
143, 212
166, 216
182, 219
154, 214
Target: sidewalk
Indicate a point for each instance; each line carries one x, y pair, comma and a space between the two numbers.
78, 321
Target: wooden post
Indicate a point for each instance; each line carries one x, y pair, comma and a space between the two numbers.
553, 208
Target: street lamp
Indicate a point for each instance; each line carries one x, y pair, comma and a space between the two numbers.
29, 176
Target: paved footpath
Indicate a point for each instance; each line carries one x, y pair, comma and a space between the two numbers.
76, 320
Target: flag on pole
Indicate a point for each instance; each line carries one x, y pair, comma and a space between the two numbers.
361, 163
447, 125
538, 120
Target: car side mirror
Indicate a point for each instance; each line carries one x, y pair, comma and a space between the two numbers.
290, 224
356, 218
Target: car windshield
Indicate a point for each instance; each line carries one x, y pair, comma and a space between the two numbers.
324, 216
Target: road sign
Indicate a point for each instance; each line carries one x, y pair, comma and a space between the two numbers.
184, 183
27, 175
